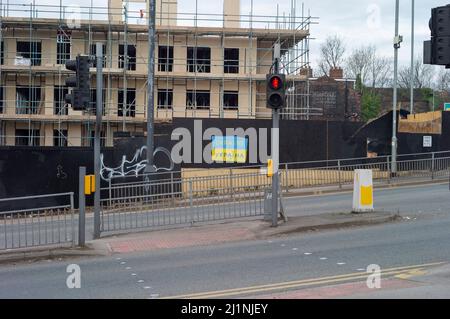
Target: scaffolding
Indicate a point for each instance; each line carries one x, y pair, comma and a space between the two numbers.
204, 68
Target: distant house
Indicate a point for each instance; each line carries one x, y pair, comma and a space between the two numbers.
422, 103
332, 98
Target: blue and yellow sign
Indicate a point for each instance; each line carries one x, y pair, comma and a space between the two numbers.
229, 149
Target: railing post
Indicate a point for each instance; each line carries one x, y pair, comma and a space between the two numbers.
82, 209
172, 188
110, 192
191, 195
72, 212
432, 165
339, 174
231, 182
286, 180
388, 169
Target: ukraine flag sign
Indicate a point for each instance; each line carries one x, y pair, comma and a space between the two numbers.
229, 149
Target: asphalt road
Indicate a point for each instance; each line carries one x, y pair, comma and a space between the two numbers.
423, 239
415, 200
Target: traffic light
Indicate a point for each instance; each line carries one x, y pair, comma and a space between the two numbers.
80, 97
437, 50
276, 91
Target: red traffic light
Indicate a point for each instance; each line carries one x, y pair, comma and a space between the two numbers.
276, 91
276, 83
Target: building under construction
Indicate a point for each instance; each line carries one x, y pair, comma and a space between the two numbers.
207, 66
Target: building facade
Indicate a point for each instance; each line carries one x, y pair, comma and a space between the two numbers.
212, 71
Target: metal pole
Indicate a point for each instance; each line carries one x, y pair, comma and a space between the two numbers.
275, 146
412, 57
82, 208
150, 86
394, 104
433, 101
98, 128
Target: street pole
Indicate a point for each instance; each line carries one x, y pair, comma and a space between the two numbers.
98, 128
433, 100
394, 103
412, 57
275, 145
82, 208
150, 86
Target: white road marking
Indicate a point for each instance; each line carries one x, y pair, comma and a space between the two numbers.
294, 249
140, 281
123, 262
341, 264
128, 268
307, 254
133, 274
147, 287
323, 258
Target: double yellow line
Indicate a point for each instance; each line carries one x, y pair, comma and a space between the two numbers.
302, 283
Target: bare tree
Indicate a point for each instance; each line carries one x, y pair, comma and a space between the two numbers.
443, 81
373, 70
331, 54
380, 71
423, 75
359, 62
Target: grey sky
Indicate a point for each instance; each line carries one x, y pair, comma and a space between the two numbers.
359, 22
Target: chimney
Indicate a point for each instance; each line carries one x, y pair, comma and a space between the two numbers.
166, 11
115, 8
231, 13
337, 73
307, 72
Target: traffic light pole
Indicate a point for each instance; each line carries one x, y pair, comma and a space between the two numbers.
150, 86
275, 146
411, 108
97, 144
394, 103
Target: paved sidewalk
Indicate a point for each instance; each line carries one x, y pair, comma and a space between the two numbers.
233, 232
199, 235
175, 238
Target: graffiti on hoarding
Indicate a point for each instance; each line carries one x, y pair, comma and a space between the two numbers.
136, 165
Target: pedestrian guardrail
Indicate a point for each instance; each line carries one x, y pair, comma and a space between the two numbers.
176, 201
193, 196
24, 222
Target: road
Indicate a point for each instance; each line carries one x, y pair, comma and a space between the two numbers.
296, 265
412, 199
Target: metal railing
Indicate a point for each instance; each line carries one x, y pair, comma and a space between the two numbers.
176, 201
31, 221
185, 198
175, 198
340, 172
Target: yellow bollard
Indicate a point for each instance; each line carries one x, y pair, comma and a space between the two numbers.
269, 168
